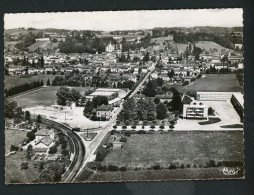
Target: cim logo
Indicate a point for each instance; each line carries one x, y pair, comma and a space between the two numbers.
230, 171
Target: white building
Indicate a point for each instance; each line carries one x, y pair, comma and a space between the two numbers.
195, 109
214, 96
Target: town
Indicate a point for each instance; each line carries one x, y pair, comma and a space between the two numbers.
83, 105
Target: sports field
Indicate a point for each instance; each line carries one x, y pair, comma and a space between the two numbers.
214, 82
194, 148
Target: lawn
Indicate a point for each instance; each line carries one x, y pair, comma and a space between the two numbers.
13, 137
178, 148
214, 82
13, 172
207, 45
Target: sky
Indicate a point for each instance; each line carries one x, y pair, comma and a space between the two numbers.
126, 20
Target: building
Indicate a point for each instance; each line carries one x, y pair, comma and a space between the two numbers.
165, 97
104, 111
40, 134
113, 47
214, 96
195, 109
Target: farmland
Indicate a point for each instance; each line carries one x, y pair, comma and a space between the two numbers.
214, 82
178, 148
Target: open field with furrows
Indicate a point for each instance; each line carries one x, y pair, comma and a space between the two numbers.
164, 174
13, 137
194, 148
207, 45
213, 82
13, 171
11, 81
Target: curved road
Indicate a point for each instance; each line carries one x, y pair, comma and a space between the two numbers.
76, 146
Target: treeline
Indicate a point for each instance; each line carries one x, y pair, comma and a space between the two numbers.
23, 87
180, 37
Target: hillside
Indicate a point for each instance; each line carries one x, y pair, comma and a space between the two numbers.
43, 45
207, 45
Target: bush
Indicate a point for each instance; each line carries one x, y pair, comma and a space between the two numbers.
156, 167
123, 169
123, 139
188, 166
101, 154
102, 168
14, 148
118, 122
211, 163
182, 166
162, 127
141, 132
113, 132
143, 127
145, 122
115, 127
127, 133
113, 168
53, 149
65, 152
124, 127
127, 122
133, 127
154, 122
24, 165
172, 166
152, 127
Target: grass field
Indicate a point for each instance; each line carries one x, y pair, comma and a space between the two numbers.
13, 172
164, 174
178, 148
13, 137
45, 96
214, 82
11, 81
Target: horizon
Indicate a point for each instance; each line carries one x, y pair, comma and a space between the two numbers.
126, 20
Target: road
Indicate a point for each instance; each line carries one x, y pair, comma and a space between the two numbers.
98, 139
76, 147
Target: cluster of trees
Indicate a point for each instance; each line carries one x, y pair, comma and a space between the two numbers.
181, 37
196, 51
213, 70
28, 40
23, 87
52, 173
240, 76
150, 88
142, 109
64, 94
11, 110
95, 103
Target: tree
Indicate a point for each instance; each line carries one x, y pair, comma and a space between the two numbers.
156, 100
65, 152
63, 94
146, 57
149, 89
53, 149
42, 62
48, 83
161, 111
27, 115
9, 108
75, 95
99, 100
176, 103
159, 81
30, 135
38, 119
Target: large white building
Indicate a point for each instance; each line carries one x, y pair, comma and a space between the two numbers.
214, 96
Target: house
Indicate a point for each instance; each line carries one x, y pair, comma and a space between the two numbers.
40, 134
104, 111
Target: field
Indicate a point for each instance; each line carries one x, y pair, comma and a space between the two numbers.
179, 148
13, 172
164, 174
13, 137
206, 45
11, 81
45, 96
42, 44
212, 83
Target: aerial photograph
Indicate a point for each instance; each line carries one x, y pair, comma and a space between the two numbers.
120, 96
